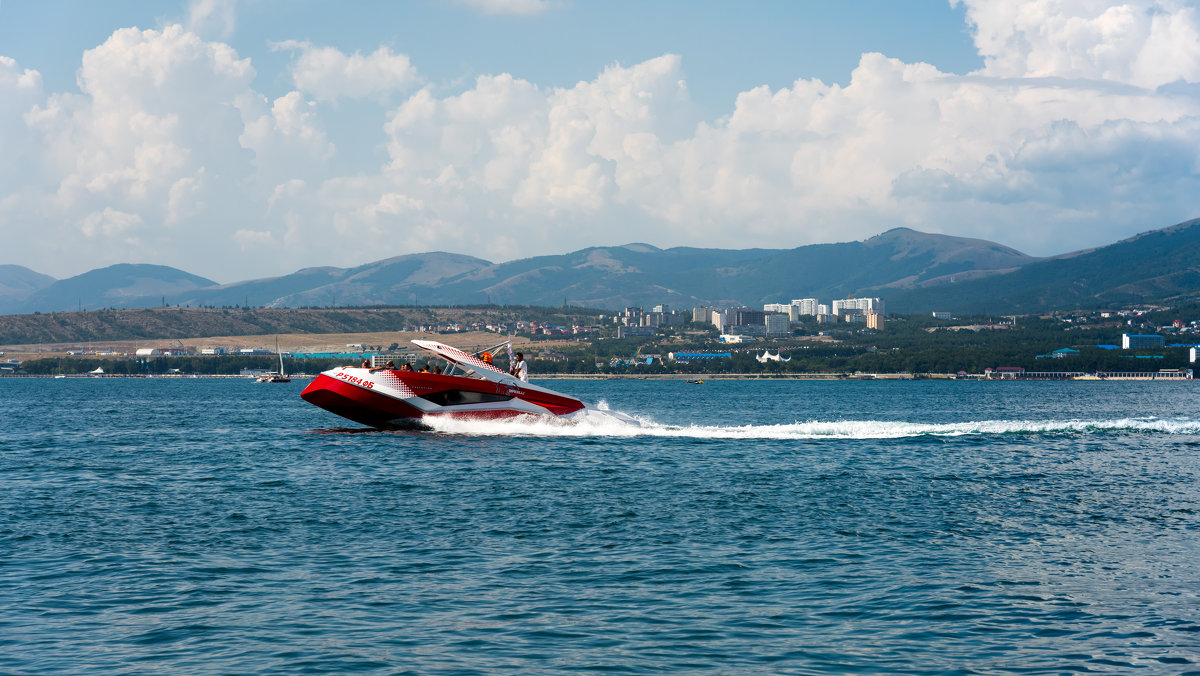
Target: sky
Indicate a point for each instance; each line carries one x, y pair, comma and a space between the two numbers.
241, 139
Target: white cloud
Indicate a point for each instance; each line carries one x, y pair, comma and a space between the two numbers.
20, 90
183, 200
156, 106
901, 143
167, 129
1140, 42
328, 74
212, 17
517, 7
287, 139
519, 154
252, 241
1076, 132
111, 224
153, 132
15, 79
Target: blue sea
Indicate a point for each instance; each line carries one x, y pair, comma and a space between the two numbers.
794, 527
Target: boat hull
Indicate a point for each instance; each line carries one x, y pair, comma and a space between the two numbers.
392, 398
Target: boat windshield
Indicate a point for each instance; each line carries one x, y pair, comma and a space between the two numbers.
466, 363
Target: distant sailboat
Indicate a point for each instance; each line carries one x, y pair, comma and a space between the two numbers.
280, 377
98, 372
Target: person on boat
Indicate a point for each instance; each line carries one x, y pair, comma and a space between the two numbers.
519, 368
424, 369
389, 366
366, 364
487, 358
405, 367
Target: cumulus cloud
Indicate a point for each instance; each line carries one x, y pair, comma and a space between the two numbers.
1083, 126
250, 241
150, 100
901, 143
212, 17
329, 74
1141, 42
182, 199
153, 132
111, 224
287, 138
164, 133
534, 156
15, 79
20, 90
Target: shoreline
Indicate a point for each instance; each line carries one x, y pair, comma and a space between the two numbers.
681, 377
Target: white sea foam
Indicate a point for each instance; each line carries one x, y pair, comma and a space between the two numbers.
600, 423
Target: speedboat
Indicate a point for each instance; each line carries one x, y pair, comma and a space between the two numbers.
469, 388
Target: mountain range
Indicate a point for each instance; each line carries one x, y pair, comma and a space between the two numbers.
911, 270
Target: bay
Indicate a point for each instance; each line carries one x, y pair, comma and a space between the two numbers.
223, 526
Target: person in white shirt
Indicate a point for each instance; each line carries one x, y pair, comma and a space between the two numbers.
519, 369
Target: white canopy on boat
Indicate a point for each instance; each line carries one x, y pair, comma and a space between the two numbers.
470, 363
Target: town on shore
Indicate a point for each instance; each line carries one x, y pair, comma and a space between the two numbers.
805, 338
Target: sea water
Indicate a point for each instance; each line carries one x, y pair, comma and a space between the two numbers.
217, 526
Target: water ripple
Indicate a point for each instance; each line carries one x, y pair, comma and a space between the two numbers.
201, 527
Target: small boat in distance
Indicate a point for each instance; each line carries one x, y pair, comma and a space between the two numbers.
280, 377
695, 382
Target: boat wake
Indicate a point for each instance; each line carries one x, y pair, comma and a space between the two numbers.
603, 423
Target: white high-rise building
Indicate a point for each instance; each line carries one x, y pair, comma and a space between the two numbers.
781, 308
719, 319
862, 305
806, 306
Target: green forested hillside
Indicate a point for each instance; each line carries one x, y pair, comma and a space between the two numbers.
913, 272
171, 323
1157, 267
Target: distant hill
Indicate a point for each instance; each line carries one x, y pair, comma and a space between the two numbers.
393, 281
1159, 266
117, 286
169, 324
898, 259
633, 274
17, 282
913, 271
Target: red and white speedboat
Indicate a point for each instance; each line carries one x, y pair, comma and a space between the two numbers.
471, 388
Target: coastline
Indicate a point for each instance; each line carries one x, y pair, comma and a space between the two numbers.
682, 377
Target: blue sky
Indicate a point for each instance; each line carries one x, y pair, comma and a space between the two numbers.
725, 52
238, 139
